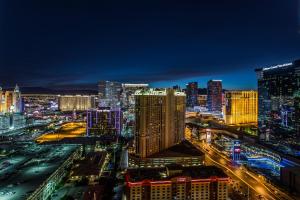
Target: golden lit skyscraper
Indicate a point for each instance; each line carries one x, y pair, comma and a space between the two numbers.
160, 115
241, 107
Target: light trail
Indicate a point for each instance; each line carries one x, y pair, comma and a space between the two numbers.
232, 172
258, 190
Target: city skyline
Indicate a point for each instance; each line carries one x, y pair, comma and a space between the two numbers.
164, 44
150, 100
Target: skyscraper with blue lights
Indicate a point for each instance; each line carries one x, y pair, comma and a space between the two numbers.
192, 94
278, 87
214, 95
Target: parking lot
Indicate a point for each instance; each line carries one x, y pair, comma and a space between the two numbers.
28, 167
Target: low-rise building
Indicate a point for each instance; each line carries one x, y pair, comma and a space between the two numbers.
90, 166
177, 182
47, 187
183, 153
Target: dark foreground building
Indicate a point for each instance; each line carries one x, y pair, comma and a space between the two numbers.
290, 177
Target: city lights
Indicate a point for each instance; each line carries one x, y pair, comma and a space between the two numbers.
150, 100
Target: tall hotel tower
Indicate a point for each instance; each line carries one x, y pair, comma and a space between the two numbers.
214, 95
160, 115
192, 94
241, 107
11, 101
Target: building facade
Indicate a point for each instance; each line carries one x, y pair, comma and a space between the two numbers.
214, 95
278, 87
109, 93
175, 182
11, 101
128, 90
75, 102
202, 100
11, 110
103, 121
128, 106
241, 107
297, 111
101, 89
192, 94
184, 153
160, 116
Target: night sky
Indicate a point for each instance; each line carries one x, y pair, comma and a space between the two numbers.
53, 43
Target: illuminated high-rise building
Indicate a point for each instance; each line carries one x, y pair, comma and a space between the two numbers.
101, 89
192, 94
11, 109
9, 98
277, 87
109, 93
104, 121
11, 101
160, 120
17, 100
297, 111
241, 107
128, 90
76, 102
214, 95
2, 101
202, 100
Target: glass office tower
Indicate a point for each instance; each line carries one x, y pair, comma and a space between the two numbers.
278, 88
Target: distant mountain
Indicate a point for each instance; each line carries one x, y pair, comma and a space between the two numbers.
56, 90
36, 90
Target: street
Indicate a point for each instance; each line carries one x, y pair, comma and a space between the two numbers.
240, 175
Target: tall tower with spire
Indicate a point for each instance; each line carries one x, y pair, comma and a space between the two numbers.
2, 101
17, 100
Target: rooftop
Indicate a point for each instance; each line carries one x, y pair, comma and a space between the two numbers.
183, 149
157, 92
279, 67
29, 166
90, 165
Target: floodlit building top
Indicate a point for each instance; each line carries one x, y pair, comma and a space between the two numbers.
277, 66
157, 92
135, 85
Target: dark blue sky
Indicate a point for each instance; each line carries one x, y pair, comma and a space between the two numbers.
48, 43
